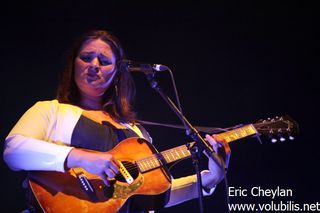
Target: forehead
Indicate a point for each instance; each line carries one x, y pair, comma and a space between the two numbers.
96, 45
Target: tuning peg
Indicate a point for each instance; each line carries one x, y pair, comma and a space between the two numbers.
274, 140
291, 137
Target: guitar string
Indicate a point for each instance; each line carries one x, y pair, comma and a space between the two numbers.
155, 160
173, 153
133, 168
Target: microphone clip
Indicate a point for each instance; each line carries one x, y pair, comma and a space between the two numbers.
147, 68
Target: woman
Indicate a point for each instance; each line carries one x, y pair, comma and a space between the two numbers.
93, 111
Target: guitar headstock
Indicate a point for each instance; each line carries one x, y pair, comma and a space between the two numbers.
277, 128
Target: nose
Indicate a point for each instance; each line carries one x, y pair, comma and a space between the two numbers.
95, 61
94, 65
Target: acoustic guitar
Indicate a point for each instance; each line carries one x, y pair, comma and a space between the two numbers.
143, 174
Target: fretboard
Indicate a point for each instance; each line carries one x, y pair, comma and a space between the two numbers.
237, 134
182, 152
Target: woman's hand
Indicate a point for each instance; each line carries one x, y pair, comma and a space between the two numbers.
216, 173
98, 163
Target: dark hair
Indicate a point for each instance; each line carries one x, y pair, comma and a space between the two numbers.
118, 99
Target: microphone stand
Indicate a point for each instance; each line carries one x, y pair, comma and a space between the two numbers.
199, 145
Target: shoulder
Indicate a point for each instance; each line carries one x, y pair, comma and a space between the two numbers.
43, 106
46, 103
53, 107
54, 104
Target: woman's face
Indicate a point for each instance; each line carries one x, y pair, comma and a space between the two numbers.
94, 68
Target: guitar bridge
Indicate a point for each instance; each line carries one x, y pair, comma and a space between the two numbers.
86, 185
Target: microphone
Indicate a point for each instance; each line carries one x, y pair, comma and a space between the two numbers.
134, 66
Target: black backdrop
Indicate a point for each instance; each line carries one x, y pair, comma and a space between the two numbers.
233, 63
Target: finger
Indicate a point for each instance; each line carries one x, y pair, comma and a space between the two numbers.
109, 173
227, 151
104, 178
114, 167
213, 142
112, 163
226, 147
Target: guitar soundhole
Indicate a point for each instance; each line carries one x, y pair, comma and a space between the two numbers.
131, 168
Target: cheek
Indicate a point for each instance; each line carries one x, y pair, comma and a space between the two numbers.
108, 73
78, 71
79, 67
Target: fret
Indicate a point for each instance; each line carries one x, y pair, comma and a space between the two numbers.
172, 154
155, 162
149, 163
167, 157
145, 165
185, 152
140, 165
176, 153
237, 133
182, 151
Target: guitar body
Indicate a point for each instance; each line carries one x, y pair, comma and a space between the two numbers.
149, 179
62, 192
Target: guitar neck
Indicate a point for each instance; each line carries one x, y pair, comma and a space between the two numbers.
182, 152
237, 134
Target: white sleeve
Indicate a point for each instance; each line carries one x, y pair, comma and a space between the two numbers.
28, 145
184, 189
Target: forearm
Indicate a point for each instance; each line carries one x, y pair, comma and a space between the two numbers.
76, 158
185, 188
25, 153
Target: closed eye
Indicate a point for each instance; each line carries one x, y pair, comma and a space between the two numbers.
86, 57
104, 61
89, 56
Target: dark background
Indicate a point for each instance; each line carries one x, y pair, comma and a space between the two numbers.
233, 63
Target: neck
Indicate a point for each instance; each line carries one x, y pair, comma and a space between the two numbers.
91, 103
